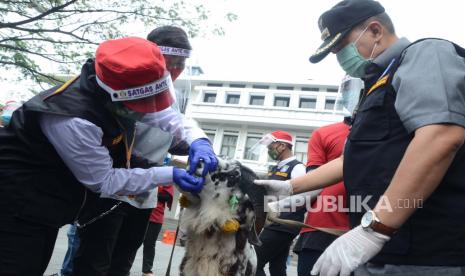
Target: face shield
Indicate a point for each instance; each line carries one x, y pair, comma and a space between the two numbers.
176, 59
261, 147
348, 95
182, 88
149, 98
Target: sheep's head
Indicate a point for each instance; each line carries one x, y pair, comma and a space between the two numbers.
228, 195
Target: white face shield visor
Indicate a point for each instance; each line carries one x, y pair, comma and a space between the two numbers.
149, 98
348, 95
261, 147
177, 64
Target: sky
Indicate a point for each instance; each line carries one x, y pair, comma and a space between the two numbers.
272, 40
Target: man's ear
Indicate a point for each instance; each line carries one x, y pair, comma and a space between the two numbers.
376, 30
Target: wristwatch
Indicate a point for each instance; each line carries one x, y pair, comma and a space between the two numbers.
370, 220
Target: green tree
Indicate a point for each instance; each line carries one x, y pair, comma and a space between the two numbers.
66, 32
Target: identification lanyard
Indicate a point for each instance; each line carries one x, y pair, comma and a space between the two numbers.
128, 146
365, 92
387, 69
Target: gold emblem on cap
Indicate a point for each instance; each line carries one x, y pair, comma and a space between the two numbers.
329, 45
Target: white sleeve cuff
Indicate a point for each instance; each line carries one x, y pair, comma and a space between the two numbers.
163, 175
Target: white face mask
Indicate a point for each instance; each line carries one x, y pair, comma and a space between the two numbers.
351, 61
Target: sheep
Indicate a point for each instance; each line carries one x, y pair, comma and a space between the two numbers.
221, 223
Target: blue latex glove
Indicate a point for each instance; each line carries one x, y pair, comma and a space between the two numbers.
201, 150
187, 182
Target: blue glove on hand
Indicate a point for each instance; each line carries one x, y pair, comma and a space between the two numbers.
201, 150
187, 182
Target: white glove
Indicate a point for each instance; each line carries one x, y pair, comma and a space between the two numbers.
276, 187
349, 251
272, 211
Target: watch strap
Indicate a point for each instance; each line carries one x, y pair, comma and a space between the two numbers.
383, 229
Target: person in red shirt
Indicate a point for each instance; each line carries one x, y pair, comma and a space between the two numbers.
165, 199
325, 144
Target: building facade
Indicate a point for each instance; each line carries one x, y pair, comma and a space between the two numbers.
236, 114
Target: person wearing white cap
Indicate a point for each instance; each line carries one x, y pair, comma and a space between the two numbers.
73, 142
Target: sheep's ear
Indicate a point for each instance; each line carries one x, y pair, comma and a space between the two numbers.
256, 195
253, 236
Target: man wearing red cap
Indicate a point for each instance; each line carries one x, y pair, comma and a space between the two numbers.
68, 144
276, 238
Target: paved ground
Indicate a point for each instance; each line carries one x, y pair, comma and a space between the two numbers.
161, 259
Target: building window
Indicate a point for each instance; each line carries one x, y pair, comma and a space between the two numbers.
307, 103
310, 89
210, 132
329, 104
332, 90
228, 146
212, 84
257, 100
281, 101
251, 140
259, 86
300, 151
211, 135
285, 88
237, 85
232, 98
209, 97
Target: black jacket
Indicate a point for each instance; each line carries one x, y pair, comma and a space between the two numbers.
435, 233
34, 182
284, 174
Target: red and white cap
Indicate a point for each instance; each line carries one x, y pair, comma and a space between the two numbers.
282, 136
132, 70
269, 138
276, 136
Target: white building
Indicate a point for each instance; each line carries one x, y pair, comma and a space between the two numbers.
236, 114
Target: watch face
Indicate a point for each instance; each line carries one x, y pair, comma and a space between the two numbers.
367, 219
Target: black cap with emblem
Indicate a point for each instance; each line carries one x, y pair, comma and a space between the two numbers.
335, 23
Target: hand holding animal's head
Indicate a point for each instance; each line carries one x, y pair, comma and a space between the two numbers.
230, 190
